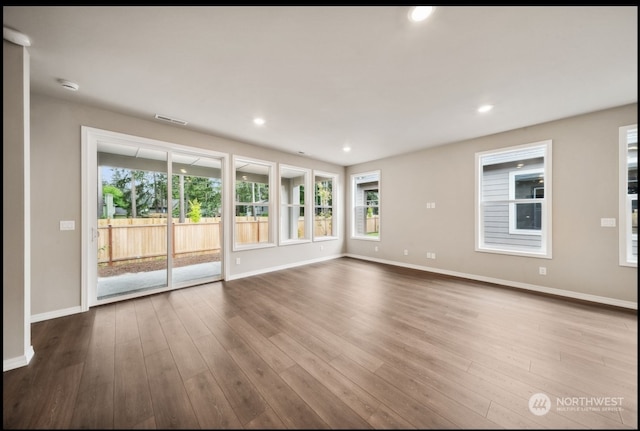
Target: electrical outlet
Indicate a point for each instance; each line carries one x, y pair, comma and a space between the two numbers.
542, 270
406, 252
237, 261
433, 255
375, 248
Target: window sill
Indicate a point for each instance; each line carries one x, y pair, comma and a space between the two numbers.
325, 238
253, 246
539, 255
367, 238
295, 241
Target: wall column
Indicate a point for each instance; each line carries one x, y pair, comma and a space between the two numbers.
16, 218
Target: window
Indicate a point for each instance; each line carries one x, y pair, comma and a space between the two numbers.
628, 195
513, 195
365, 192
524, 218
294, 204
324, 210
252, 184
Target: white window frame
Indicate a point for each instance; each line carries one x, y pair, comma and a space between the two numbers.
334, 206
354, 234
626, 236
306, 205
545, 250
273, 214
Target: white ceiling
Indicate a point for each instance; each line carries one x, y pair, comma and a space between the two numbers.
327, 76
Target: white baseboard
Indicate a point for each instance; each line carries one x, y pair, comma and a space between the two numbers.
56, 313
21, 361
278, 268
525, 286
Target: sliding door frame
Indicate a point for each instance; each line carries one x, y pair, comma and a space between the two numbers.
89, 139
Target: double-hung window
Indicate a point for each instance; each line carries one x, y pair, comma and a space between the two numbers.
628, 150
253, 203
513, 200
325, 187
365, 194
295, 201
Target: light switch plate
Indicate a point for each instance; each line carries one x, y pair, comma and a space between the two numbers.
67, 224
608, 222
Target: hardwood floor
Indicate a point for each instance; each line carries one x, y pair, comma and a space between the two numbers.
343, 344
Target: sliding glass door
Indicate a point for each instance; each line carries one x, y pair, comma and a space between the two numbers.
132, 219
158, 223
197, 218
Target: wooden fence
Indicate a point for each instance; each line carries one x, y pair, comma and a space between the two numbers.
142, 238
129, 239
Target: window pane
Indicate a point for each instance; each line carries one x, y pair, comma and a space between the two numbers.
324, 191
497, 234
323, 225
529, 216
529, 186
323, 201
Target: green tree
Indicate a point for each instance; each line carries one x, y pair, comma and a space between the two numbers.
194, 213
118, 195
208, 192
144, 181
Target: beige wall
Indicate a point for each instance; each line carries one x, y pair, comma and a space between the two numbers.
56, 195
585, 189
16, 331
585, 181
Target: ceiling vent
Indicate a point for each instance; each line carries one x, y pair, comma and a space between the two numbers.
171, 120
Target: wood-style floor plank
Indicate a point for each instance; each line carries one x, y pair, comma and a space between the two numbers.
351, 394
243, 396
344, 344
209, 403
132, 400
287, 404
171, 404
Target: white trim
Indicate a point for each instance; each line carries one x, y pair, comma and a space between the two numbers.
281, 267
89, 138
56, 313
20, 361
624, 228
546, 231
525, 286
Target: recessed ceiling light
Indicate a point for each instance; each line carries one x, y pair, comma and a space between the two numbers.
485, 108
68, 85
346, 148
420, 13
258, 121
